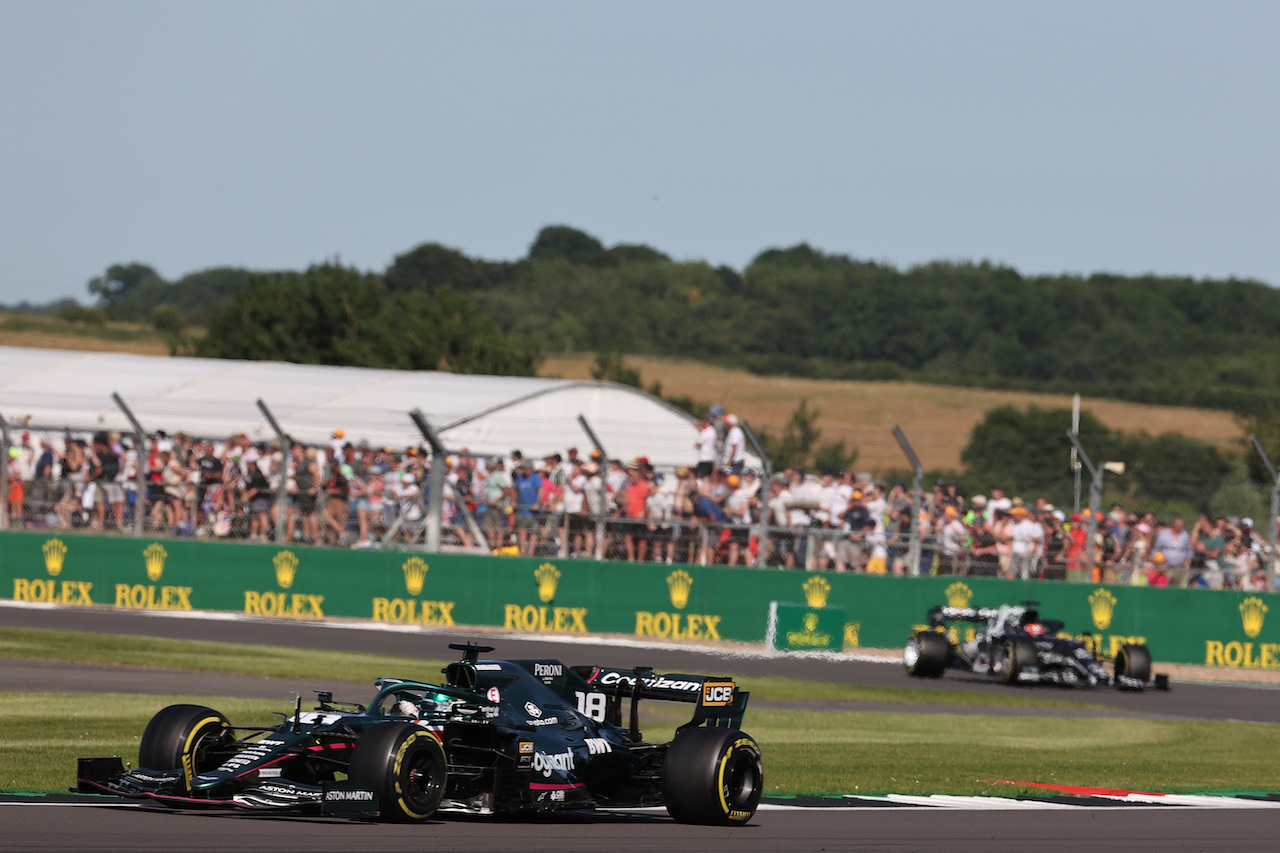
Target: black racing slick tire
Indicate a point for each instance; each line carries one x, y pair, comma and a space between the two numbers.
406, 767
190, 738
1015, 655
1134, 661
712, 777
926, 654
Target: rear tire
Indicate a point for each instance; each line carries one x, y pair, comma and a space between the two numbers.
187, 738
1134, 661
406, 767
926, 654
712, 777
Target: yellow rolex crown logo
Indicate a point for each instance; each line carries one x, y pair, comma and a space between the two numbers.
959, 595
154, 555
851, 630
1252, 612
548, 577
54, 553
1102, 604
679, 582
816, 591
415, 572
810, 622
286, 563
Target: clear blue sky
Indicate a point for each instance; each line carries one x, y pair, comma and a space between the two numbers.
1128, 137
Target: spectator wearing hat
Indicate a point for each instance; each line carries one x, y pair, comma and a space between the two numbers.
1157, 571
1028, 544
737, 507
951, 542
631, 508
857, 524
735, 445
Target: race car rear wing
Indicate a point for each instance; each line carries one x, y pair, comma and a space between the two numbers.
720, 704
942, 614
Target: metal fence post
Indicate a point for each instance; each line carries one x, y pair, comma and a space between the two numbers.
603, 511
917, 480
762, 538
435, 503
1095, 501
1275, 510
144, 467
4, 474
286, 449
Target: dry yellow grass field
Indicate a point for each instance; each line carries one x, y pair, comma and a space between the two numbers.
937, 419
53, 333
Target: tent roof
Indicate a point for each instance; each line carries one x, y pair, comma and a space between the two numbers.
214, 398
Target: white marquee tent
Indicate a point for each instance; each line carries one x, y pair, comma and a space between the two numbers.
212, 398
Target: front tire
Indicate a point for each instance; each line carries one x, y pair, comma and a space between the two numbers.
406, 767
1015, 656
189, 738
926, 654
1134, 661
713, 777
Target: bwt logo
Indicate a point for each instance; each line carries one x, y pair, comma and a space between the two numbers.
717, 693
598, 746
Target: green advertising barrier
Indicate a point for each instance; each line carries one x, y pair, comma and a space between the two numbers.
578, 596
801, 628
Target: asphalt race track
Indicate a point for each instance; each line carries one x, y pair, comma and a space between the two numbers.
1185, 701
936, 824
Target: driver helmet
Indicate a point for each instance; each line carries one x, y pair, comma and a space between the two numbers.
1035, 629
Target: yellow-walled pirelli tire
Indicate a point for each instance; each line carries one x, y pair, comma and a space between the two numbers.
926, 654
1134, 661
406, 767
190, 738
1013, 657
712, 776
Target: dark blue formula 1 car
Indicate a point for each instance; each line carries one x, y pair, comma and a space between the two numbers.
496, 737
1015, 645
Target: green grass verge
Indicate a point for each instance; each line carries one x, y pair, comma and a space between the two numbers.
42, 644
42, 734
805, 752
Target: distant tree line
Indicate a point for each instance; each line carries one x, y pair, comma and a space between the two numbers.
796, 311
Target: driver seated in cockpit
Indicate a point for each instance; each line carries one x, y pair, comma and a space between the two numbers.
1031, 623
406, 705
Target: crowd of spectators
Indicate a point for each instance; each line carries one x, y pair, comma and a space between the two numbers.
353, 495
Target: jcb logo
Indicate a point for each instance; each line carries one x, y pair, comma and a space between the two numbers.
717, 693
